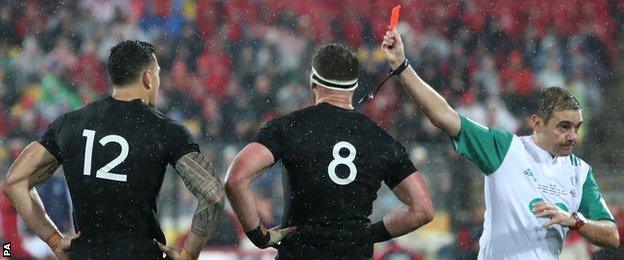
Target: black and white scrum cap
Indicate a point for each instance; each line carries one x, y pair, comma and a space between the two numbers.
342, 85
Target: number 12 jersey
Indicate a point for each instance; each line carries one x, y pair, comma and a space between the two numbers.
114, 155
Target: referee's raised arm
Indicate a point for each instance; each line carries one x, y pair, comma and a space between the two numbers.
433, 104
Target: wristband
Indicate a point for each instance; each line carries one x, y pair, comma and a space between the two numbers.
399, 69
580, 220
54, 240
379, 232
258, 238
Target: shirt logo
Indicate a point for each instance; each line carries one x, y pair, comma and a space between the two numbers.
562, 206
533, 203
529, 173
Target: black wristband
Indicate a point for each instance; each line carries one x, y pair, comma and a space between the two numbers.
379, 232
399, 69
257, 238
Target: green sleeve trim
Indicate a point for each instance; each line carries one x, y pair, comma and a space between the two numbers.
593, 206
484, 146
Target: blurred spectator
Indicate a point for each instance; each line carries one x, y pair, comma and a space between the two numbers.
11, 230
262, 98
488, 78
518, 85
28, 62
551, 75
61, 59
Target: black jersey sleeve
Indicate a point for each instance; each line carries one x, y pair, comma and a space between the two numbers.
179, 142
270, 137
49, 138
400, 166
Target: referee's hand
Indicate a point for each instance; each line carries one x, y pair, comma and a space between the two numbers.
555, 214
392, 47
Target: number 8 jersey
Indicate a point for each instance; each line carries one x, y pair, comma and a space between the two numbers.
114, 155
336, 160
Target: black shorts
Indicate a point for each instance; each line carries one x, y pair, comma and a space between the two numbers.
359, 252
124, 248
326, 242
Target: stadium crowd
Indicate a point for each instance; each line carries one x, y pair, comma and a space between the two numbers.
229, 66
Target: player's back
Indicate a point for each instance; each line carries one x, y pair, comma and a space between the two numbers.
114, 155
336, 160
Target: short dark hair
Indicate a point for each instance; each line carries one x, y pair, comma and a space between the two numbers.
127, 59
336, 61
555, 99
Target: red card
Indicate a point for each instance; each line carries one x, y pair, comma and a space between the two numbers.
394, 19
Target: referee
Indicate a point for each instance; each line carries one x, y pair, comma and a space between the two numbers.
536, 190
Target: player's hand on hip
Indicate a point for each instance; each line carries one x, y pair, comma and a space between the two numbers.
62, 250
174, 253
392, 47
277, 234
555, 214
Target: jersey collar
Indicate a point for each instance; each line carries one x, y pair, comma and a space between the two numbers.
538, 154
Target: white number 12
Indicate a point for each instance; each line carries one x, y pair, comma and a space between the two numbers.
104, 172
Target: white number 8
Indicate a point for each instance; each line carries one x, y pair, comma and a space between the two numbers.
348, 161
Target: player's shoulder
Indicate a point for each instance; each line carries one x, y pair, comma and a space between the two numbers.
76, 114
299, 113
293, 117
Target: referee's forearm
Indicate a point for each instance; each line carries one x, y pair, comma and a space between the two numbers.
431, 102
602, 233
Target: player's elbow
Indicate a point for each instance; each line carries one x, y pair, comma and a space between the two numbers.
234, 183
427, 214
5, 188
421, 216
9, 188
614, 239
215, 195
238, 178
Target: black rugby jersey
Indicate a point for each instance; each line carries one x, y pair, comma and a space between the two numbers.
336, 160
114, 155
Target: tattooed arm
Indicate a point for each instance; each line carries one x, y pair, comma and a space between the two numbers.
199, 177
33, 166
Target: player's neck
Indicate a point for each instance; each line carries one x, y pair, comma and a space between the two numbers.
340, 102
129, 93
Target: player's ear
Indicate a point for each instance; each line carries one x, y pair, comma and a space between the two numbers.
146, 78
536, 121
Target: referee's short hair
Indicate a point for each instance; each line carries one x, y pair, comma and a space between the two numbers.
336, 61
555, 99
127, 60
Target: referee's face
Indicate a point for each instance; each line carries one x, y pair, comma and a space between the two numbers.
561, 131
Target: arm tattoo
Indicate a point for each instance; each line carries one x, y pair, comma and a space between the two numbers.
46, 171
199, 177
206, 217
